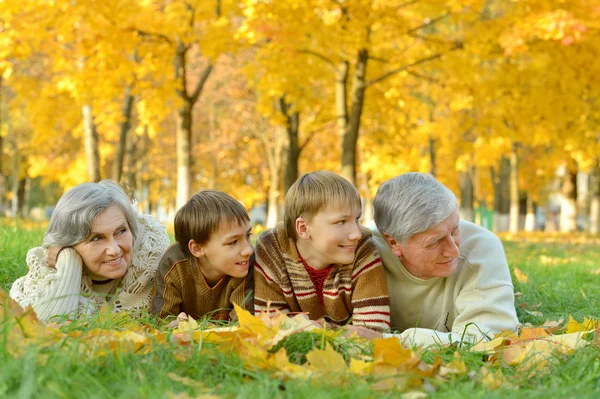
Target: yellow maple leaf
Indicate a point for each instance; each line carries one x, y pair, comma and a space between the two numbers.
360, 367
391, 357
326, 361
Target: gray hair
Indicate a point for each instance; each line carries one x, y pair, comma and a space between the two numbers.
411, 203
76, 210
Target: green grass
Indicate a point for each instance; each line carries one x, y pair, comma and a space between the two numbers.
561, 280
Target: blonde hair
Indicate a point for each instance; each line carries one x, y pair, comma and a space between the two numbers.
313, 191
204, 214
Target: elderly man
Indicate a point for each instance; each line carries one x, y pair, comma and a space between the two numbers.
448, 279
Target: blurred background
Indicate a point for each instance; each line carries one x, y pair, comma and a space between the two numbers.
498, 99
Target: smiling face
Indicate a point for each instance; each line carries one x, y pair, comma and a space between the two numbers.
226, 253
329, 237
106, 252
432, 253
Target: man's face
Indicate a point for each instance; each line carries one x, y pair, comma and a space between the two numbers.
432, 253
329, 237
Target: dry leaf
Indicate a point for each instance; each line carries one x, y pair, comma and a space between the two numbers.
521, 277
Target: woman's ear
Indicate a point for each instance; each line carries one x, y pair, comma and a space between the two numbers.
195, 249
302, 228
393, 244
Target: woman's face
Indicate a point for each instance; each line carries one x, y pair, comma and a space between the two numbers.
107, 250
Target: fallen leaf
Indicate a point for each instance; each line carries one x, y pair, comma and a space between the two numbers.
534, 313
521, 277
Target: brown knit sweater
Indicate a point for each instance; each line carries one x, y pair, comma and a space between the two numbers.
356, 291
180, 286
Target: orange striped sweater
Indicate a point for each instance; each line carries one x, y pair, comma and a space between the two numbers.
355, 292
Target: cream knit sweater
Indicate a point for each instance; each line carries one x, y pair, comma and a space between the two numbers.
478, 299
68, 289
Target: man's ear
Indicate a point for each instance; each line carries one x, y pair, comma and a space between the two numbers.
195, 249
393, 244
302, 228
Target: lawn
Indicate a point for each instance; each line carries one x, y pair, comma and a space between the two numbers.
554, 277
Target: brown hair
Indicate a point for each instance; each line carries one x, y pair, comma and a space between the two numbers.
204, 214
311, 192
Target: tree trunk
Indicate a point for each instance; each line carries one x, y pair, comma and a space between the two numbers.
514, 191
466, 196
184, 153
274, 152
341, 94
351, 132
501, 196
530, 216
568, 208
2, 178
367, 205
141, 168
124, 128
132, 156
91, 143
16, 162
595, 200
184, 123
292, 150
432, 156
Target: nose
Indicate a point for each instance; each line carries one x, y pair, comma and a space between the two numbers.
450, 248
112, 247
354, 234
247, 250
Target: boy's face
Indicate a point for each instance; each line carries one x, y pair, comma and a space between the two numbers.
329, 237
226, 253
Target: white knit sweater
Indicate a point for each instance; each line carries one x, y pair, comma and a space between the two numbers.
477, 300
68, 289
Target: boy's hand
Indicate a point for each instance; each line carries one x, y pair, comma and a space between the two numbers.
362, 332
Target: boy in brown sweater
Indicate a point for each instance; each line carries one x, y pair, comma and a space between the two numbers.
321, 261
209, 267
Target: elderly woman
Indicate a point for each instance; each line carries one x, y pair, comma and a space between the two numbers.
446, 277
97, 250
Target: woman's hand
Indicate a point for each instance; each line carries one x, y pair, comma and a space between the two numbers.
52, 256
362, 332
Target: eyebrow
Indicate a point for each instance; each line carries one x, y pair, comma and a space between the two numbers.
96, 233
229, 237
437, 238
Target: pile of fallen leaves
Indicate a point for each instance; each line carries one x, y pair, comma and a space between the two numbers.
262, 343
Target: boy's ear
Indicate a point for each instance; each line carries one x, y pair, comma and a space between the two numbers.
195, 249
302, 228
393, 244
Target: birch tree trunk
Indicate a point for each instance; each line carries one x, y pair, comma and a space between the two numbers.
124, 128
595, 200
514, 191
530, 216
568, 207
466, 196
351, 131
501, 196
91, 143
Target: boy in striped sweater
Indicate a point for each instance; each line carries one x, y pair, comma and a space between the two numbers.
210, 266
321, 261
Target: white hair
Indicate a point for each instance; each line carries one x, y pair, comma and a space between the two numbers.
411, 203
76, 210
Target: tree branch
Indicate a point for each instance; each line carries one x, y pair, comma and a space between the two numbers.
405, 67
425, 77
319, 56
427, 23
201, 82
153, 35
